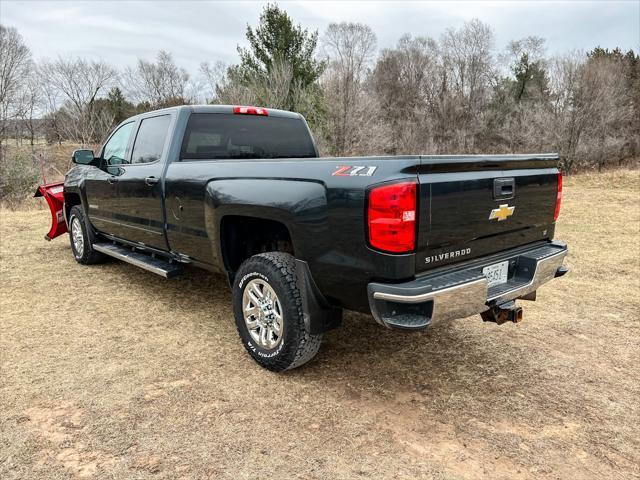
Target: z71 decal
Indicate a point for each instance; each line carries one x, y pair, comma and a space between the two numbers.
354, 171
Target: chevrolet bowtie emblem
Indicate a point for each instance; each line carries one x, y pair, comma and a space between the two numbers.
501, 213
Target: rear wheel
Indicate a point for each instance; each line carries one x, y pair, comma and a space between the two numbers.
269, 315
82, 238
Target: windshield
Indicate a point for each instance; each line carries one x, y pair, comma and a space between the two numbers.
216, 136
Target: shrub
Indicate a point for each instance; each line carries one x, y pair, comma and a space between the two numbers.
18, 177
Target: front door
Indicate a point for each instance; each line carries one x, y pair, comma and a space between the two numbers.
140, 184
101, 183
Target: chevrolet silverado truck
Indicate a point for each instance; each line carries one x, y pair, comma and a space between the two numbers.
412, 239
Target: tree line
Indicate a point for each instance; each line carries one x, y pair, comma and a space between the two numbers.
459, 93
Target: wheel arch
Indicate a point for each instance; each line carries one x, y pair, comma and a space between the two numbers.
71, 199
286, 209
242, 236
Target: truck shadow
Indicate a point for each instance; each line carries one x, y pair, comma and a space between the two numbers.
441, 356
360, 350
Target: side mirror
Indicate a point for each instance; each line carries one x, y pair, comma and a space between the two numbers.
82, 157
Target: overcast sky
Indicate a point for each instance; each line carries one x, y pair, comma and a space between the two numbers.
197, 31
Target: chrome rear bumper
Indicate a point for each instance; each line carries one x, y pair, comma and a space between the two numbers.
463, 291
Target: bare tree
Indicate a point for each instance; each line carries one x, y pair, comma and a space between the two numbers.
589, 110
567, 123
349, 48
603, 101
272, 89
229, 90
29, 105
210, 77
160, 84
468, 56
73, 86
469, 69
15, 65
52, 124
532, 46
277, 88
406, 81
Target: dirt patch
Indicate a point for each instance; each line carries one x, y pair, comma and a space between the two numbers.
112, 372
155, 390
58, 426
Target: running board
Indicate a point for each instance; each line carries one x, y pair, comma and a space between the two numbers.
152, 264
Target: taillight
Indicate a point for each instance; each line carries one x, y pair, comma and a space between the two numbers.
558, 197
251, 111
391, 216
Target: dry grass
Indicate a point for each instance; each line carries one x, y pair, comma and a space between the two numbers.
111, 372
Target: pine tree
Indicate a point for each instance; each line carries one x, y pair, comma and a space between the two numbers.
118, 105
274, 41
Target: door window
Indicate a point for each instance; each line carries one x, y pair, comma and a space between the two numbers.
115, 150
150, 139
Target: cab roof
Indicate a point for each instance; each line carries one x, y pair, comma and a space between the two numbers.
228, 109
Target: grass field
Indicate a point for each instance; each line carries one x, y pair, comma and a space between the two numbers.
112, 372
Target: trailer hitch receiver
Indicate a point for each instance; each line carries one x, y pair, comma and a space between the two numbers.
506, 312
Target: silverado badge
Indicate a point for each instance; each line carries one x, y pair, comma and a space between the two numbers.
501, 213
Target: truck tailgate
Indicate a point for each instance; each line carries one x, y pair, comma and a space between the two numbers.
478, 205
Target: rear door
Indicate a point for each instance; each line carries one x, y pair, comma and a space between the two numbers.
474, 206
140, 197
211, 143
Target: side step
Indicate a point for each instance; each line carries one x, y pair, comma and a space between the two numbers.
156, 265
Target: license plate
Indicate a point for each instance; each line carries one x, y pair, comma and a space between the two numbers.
496, 274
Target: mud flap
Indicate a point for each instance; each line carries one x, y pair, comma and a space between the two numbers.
318, 313
53, 193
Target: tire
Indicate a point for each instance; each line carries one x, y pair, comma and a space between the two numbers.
82, 238
293, 345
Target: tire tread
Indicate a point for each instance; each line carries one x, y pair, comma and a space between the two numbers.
307, 345
89, 256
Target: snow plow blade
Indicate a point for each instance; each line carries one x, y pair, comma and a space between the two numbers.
53, 193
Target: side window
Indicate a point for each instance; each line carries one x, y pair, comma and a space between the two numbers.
115, 150
150, 139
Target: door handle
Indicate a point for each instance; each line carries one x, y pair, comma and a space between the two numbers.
151, 181
112, 179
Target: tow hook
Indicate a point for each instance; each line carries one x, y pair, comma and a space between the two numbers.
506, 312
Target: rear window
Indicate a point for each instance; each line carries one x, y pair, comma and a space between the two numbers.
216, 136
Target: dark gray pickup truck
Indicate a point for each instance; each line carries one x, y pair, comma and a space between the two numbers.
412, 239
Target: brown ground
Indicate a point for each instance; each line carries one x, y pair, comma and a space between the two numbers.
112, 372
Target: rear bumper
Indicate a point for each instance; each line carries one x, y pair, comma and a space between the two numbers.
462, 291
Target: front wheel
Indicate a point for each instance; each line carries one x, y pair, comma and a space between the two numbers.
82, 238
269, 313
